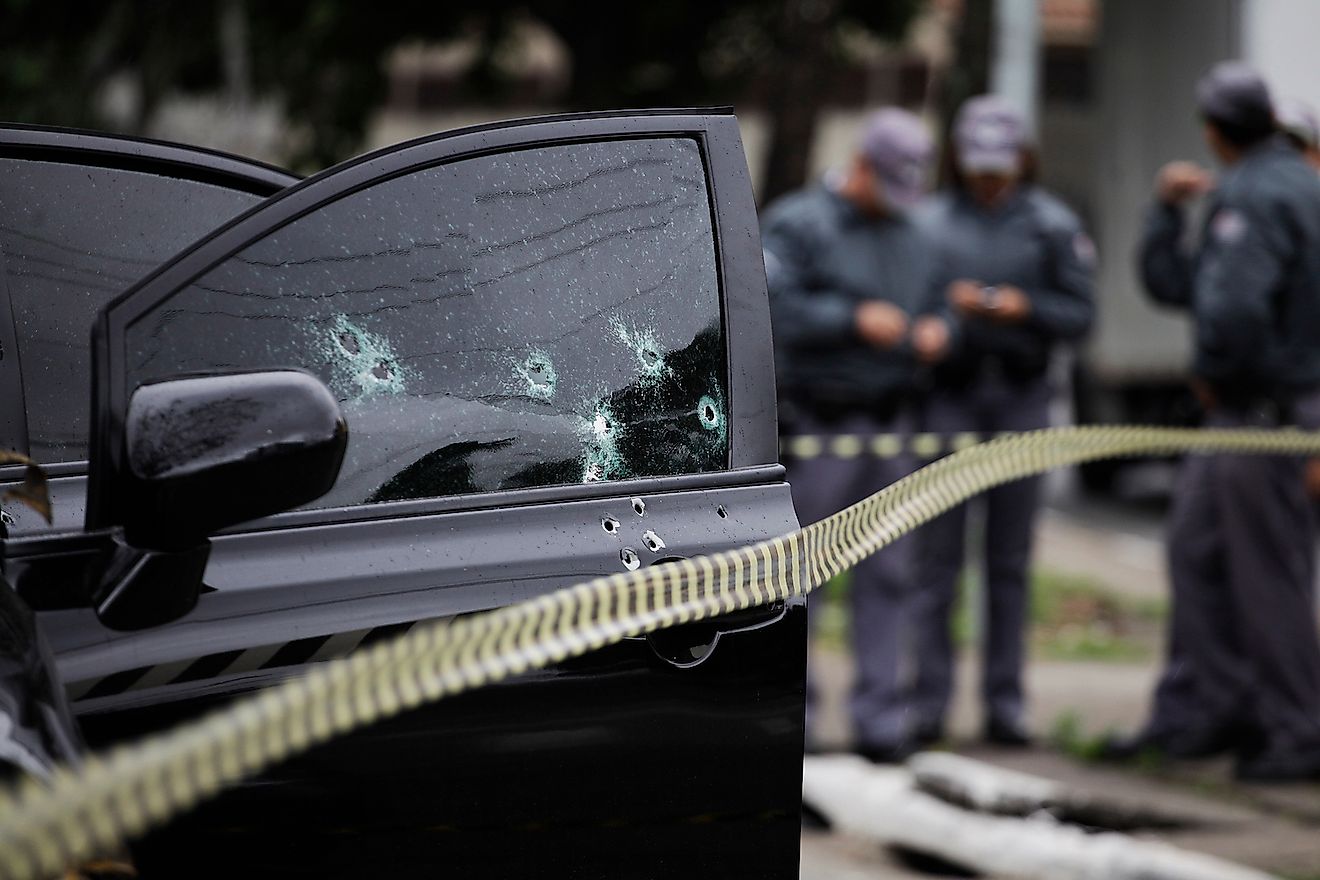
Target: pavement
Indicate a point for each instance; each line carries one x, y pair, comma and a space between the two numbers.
1273, 828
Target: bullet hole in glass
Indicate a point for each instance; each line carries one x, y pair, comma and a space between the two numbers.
639, 506
610, 525
601, 433
721, 512
630, 559
653, 542
646, 348
363, 363
710, 413
539, 375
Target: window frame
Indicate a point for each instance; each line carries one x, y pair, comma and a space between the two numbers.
13, 396
740, 268
92, 149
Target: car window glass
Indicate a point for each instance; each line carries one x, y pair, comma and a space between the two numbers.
538, 317
74, 237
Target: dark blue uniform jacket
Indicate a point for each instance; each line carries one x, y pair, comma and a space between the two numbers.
823, 258
1033, 242
1253, 283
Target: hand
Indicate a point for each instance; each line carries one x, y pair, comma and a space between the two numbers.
930, 339
1009, 305
1205, 395
1179, 181
882, 324
967, 296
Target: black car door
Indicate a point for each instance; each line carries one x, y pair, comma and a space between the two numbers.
83, 216
551, 343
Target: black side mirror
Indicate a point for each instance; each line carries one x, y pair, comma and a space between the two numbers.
202, 454
214, 451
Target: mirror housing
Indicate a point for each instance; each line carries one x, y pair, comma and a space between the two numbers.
209, 452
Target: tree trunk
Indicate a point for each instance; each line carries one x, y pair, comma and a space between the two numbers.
797, 82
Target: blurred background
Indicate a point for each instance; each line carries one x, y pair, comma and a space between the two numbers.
1107, 85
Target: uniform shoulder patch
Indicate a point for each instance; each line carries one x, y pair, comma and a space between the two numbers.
1083, 248
1228, 226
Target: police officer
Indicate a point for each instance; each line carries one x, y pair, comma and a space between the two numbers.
1244, 668
1300, 126
846, 270
1014, 270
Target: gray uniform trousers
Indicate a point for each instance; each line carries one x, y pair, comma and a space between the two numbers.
989, 405
1242, 636
881, 584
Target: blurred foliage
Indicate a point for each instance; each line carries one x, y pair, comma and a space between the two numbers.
1072, 617
325, 59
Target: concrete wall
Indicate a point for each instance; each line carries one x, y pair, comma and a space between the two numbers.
1149, 56
1279, 38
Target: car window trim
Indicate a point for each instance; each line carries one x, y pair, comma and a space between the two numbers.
13, 396
103, 150
643, 487
747, 360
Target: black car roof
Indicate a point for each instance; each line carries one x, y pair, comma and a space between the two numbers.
145, 154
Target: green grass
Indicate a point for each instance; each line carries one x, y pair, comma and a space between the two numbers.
1068, 736
1072, 617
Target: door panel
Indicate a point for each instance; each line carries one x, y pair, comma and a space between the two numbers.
616, 764
524, 352
273, 588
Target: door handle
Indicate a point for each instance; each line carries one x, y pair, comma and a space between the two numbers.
690, 644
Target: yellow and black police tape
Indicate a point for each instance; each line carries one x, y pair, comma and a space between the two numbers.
82, 811
919, 444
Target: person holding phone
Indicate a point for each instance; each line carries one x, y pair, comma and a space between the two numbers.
1013, 279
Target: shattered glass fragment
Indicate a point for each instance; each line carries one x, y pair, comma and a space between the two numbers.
600, 433
362, 363
710, 412
538, 374
646, 348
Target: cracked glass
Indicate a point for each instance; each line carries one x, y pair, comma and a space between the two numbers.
539, 317
74, 237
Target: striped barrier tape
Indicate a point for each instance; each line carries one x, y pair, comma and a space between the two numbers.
921, 444
81, 812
